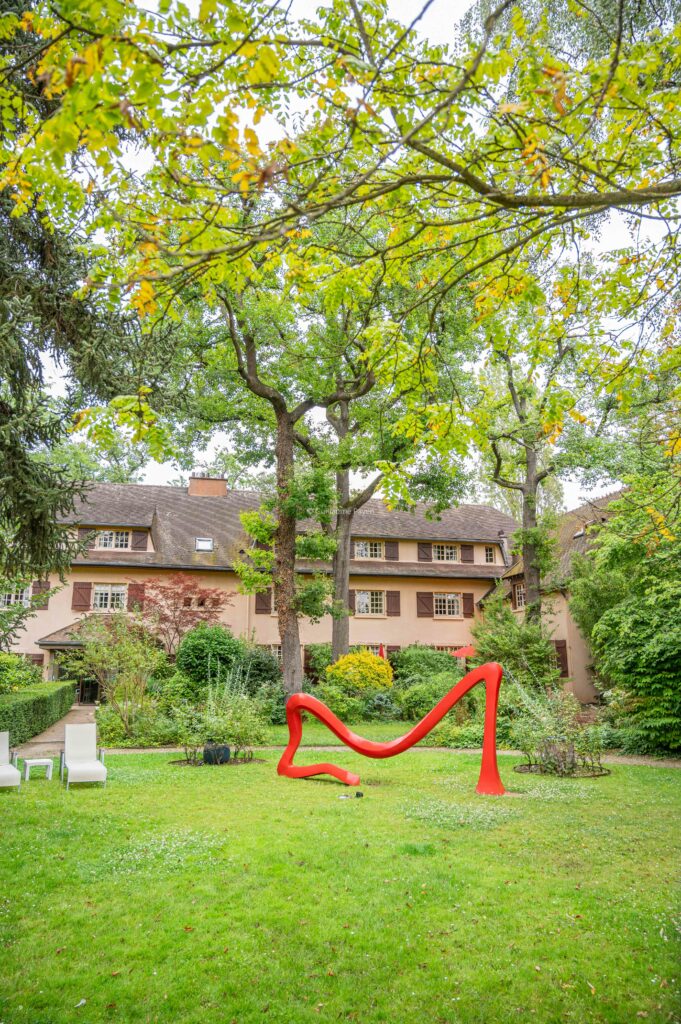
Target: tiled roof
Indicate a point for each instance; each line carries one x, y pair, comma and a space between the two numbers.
574, 535
67, 635
175, 518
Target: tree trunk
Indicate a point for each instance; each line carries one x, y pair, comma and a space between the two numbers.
532, 571
285, 560
340, 628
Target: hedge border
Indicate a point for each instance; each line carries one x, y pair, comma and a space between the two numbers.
29, 711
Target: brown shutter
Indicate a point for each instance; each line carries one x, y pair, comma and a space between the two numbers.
392, 551
393, 649
467, 553
352, 549
85, 533
424, 605
82, 597
425, 552
38, 588
139, 540
392, 600
514, 603
135, 596
263, 602
562, 656
468, 605
36, 659
351, 600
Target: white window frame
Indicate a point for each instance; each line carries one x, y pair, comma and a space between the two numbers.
370, 614
22, 595
519, 595
275, 651
207, 544
448, 614
490, 550
378, 553
373, 649
109, 590
119, 540
445, 552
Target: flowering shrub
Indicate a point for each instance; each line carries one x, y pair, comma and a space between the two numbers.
16, 672
360, 671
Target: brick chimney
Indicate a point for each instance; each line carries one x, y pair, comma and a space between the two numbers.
207, 487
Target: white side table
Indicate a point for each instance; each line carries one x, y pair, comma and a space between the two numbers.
35, 762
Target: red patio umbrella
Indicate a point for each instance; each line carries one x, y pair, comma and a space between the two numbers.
464, 652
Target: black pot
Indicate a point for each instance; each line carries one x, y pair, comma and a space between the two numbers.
216, 753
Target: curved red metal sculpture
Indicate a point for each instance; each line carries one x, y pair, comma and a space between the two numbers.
489, 780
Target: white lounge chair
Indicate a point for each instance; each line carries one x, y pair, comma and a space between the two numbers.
81, 760
9, 773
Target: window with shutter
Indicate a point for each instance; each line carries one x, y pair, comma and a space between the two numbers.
263, 602
424, 606
468, 606
445, 553
392, 551
425, 552
467, 553
38, 590
562, 657
135, 596
82, 597
392, 599
447, 606
87, 534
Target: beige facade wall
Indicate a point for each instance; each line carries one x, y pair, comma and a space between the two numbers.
556, 615
240, 615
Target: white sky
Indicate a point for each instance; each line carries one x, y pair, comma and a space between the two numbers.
437, 24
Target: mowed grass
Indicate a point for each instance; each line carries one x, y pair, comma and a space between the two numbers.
186, 895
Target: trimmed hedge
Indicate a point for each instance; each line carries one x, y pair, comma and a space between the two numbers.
28, 711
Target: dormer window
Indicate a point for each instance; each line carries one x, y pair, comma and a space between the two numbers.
204, 543
114, 539
369, 549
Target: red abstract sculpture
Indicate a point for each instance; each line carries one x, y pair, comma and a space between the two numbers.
489, 780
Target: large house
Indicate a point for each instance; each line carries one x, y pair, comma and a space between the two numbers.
574, 535
412, 578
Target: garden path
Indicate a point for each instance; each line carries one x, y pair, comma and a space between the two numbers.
51, 741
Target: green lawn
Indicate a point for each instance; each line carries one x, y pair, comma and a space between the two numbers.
186, 895
316, 734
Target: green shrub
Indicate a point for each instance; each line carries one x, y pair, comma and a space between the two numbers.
524, 649
358, 672
419, 699
551, 736
319, 657
449, 734
208, 652
232, 717
380, 707
179, 689
345, 706
29, 711
417, 663
16, 673
151, 728
260, 668
271, 700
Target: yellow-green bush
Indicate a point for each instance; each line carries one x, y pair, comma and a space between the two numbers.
360, 671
